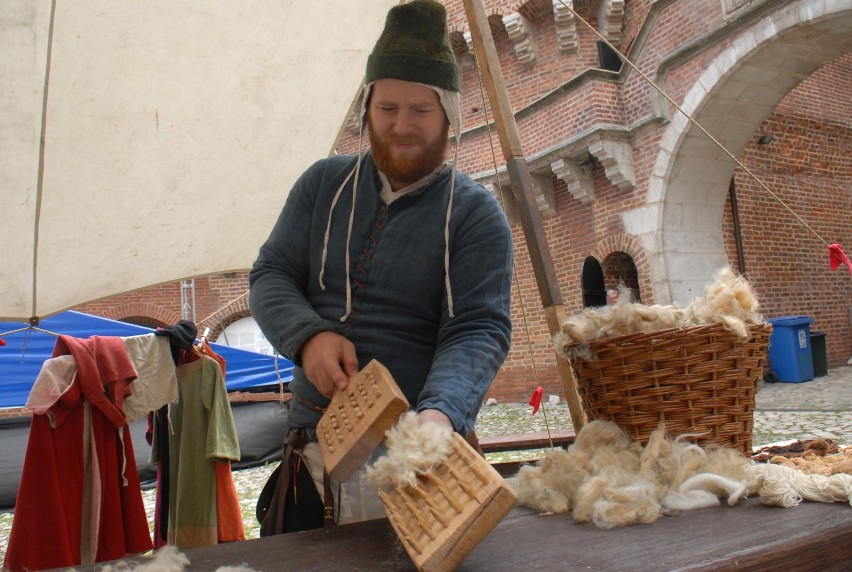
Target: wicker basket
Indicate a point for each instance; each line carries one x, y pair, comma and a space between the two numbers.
701, 379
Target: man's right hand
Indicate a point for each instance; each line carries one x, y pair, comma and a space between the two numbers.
329, 360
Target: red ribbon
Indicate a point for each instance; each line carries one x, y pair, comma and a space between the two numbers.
535, 400
838, 257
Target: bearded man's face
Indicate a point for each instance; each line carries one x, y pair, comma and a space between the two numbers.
408, 130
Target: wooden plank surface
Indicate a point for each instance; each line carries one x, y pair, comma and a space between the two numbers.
750, 536
524, 441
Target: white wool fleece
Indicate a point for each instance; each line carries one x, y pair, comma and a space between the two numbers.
412, 450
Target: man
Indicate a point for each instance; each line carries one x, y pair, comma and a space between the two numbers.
611, 296
392, 255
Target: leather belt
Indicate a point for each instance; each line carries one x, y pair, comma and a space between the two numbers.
310, 404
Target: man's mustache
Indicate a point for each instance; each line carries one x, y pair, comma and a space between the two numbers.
407, 140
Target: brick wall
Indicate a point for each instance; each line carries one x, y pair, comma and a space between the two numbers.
808, 158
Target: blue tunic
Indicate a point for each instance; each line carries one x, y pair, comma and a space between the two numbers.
399, 301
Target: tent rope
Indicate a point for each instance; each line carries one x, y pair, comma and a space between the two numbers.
232, 302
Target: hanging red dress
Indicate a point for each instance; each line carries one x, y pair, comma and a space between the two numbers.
80, 500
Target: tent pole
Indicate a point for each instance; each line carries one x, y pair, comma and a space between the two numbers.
522, 191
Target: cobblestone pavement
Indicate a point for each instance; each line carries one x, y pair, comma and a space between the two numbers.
821, 407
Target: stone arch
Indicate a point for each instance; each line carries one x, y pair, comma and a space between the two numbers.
680, 224
215, 331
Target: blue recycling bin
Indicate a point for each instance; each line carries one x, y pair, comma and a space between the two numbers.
790, 354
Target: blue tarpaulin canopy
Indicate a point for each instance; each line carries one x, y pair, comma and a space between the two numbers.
25, 351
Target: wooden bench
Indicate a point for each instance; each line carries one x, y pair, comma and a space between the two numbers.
526, 441
496, 444
523, 442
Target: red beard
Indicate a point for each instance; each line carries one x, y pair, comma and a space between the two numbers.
403, 169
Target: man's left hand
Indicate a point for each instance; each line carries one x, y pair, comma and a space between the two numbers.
434, 416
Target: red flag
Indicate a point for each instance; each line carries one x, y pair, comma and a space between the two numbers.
535, 400
838, 257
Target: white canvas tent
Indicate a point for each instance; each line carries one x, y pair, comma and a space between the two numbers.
146, 142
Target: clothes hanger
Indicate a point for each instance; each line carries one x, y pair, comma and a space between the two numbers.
10, 332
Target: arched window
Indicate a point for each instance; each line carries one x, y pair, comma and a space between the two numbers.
619, 269
594, 288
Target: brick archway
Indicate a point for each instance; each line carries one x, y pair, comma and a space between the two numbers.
235, 310
146, 309
631, 246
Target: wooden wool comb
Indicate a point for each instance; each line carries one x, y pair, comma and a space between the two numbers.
356, 420
451, 509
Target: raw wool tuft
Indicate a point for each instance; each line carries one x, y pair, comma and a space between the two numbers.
166, 559
600, 434
635, 503
602, 445
550, 486
606, 478
616, 498
690, 458
726, 462
623, 317
657, 461
780, 485
412, 450
728, 300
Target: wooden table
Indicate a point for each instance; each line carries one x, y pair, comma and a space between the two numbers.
750, 536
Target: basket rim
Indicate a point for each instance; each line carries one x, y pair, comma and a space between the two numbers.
642, 336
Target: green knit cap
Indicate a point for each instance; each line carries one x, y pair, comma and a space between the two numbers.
415, 46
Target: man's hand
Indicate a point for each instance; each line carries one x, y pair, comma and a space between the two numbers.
329, 360
434, 416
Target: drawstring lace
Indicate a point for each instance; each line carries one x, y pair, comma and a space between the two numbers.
349, 239
450, 103
328, 225
326, 238
447, 285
